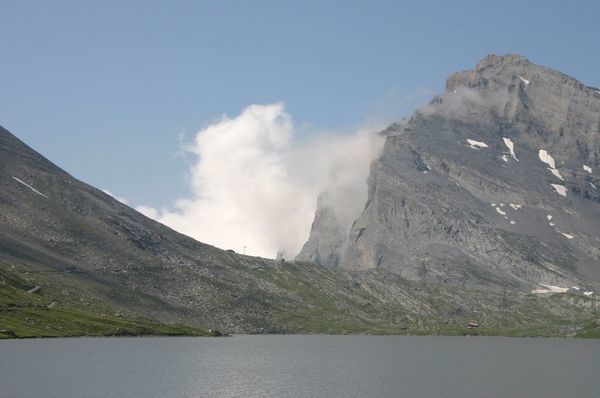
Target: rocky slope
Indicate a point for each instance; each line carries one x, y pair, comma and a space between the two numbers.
100, 266
494, 183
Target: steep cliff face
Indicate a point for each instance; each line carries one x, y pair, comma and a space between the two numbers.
327, 238
497, 181
340, 204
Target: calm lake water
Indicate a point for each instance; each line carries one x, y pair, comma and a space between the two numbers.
300, 366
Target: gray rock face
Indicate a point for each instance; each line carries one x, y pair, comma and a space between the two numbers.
337, 207
327, 237
497, 181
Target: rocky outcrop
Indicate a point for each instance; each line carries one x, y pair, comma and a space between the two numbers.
327, 237
339, 205
495, 182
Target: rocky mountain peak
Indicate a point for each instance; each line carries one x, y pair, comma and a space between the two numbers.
553, 108
493, 60
491, 67
494, 182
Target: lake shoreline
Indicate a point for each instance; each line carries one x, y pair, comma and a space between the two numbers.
140, 336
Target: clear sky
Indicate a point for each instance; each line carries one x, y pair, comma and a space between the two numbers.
107, 89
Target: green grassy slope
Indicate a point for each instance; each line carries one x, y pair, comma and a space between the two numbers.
53, 311
310, 299
378, 302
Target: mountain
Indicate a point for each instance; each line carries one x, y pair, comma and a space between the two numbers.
75, 261
495, 183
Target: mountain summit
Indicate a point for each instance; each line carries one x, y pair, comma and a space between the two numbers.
494, 183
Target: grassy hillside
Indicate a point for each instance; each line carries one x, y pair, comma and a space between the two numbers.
301, 298
378, 302
53, 311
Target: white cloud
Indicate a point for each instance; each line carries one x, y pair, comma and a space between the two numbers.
253, 185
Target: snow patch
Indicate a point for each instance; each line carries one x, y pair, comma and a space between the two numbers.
546, 158
514, 206
30, 187
551, 224
500, 211
549, 217
560, 189
476, 144
587, 168
549, 160
511, 147
557, 174
512, 222
568, 236
588, 293
550, 289
504, 157
593, 186
525, 81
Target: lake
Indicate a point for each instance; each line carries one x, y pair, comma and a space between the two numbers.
300, 366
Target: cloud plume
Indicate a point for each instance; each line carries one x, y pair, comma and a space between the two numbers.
254, 184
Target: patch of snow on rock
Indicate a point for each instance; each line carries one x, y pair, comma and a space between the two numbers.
549, 160
549, 217
500, 211
504, 157
568, 236
557, 174
588, 293
560, 189
514, 206
587, 168
546, 158
476, 144
511, 147
550, 289
512, 222
30, 187
525, 81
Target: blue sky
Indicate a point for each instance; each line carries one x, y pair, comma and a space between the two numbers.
107, 89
